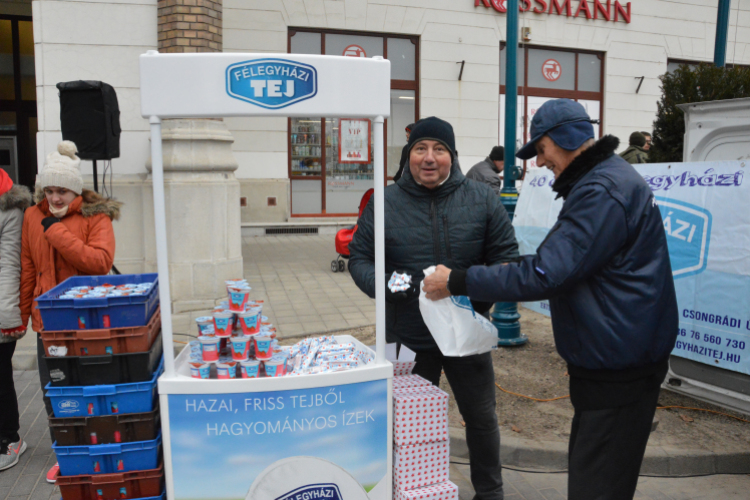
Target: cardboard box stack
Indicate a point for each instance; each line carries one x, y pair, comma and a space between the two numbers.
421, 447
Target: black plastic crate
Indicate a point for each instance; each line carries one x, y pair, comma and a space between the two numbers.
104, 369
107, 429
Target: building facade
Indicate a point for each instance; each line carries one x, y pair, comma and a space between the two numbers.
447, 60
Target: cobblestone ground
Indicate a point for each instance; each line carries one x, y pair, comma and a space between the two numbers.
302, 295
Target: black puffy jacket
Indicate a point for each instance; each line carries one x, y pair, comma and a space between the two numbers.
604, 266
458, 224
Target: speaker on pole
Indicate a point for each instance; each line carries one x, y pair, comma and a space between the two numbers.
90, 117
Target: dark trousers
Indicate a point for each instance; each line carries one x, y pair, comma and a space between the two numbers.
606, 449
472, 380
9, 425
43, 374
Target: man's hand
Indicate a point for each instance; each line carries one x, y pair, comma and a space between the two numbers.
436, 284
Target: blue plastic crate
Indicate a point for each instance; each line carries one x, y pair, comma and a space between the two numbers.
96, 313
108, 458
96, 400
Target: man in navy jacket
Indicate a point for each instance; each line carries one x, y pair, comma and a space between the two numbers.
605, 269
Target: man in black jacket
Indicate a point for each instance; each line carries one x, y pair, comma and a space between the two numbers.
489, 169
435, 216
605, 269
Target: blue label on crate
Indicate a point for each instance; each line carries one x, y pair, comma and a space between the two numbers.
68, 406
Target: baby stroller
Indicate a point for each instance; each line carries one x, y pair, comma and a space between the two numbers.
344, 237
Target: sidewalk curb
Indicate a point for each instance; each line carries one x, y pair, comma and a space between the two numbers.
659, 460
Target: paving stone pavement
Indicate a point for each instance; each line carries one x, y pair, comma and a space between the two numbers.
26, 480
292, 274
540, 486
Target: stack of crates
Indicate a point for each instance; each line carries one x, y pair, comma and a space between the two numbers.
104, 355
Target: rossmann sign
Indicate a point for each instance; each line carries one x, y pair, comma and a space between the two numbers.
606, 11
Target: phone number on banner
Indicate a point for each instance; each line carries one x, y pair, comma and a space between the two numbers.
724, 349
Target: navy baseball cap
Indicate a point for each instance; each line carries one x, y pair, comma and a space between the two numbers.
565, 121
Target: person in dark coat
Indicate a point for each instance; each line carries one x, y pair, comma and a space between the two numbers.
434, 215
605, 269
404, 154
488, 170
636, 152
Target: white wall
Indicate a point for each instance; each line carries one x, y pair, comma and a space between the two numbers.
456, 30
94, 40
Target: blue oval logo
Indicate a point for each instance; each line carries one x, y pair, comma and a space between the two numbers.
313, 492
272, 83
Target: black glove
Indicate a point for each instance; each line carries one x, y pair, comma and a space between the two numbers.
48, 221
407, 294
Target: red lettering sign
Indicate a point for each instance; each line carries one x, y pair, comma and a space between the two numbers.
598, 9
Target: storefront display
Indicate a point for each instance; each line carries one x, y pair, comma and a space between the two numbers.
545, 74
331, 168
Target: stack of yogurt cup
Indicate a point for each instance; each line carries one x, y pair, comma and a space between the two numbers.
236, 341
106, 290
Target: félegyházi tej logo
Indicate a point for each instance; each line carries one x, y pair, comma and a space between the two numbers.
313, 492
688, 229
272, 83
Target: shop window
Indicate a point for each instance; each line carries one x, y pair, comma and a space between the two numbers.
545, 74
551, 69
589, 72
401, 53
330, 167
26, 53
18, 124
354, 45
402, 114
7, 85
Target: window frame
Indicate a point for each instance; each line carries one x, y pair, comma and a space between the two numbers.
413, 85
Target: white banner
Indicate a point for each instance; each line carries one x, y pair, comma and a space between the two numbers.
536, 213
707, 221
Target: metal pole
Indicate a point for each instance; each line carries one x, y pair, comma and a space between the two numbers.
722, 29
96, 177
162, 257
505, 314
379, 177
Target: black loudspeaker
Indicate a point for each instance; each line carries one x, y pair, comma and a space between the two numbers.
90, 117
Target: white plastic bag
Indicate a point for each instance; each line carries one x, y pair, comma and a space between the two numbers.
457, 329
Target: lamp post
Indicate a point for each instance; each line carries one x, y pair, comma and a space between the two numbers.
722, 27
505, 315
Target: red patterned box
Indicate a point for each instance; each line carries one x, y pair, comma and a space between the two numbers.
420, 415
401, 368
420, 465
406, 381
442, 491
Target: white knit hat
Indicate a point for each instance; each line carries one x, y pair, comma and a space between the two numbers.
63, 168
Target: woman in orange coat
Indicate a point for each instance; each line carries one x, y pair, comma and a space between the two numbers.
67, 233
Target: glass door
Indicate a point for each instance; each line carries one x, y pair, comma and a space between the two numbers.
349, 167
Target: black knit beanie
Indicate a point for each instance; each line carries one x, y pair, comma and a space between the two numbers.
497, 153
433, 129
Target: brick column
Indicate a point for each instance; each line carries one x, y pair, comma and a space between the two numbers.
190, 26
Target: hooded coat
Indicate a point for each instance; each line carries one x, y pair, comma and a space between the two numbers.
82, 243
459, 224
12, 205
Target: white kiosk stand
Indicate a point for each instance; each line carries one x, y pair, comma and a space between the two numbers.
318, 436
